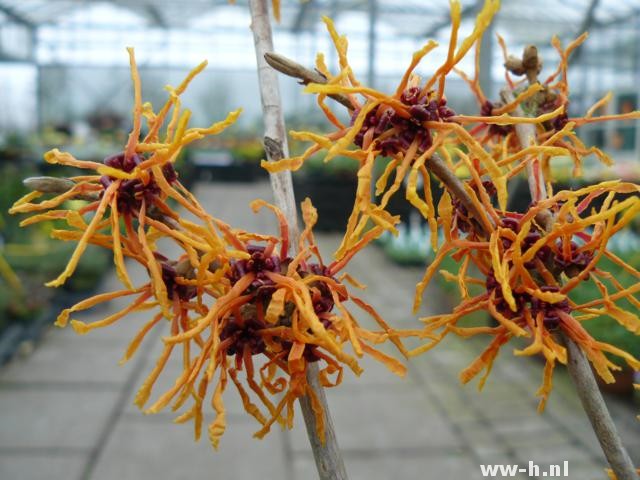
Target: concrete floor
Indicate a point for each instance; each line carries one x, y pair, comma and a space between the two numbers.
66, 411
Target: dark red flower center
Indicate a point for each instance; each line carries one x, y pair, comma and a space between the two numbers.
406, 130
554, 260
132, 192
486, 110
170, 274
261, 290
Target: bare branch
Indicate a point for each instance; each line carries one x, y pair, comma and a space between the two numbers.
327, 455
597, 411
56, 186
306, 76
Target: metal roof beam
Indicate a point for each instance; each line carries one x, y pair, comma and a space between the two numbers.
588, 20
301, 16
6, 58
384, 8
617, 20
156, 17
466, 11
16, 17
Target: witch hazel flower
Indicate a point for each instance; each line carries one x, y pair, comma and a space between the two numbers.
526, 275
239, 305
133, 187
411, 126
278, 314
546, 103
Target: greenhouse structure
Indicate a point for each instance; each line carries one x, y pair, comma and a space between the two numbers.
427, 212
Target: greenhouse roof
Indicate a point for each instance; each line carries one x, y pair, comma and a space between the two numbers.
408, 17
179, 33
52, 50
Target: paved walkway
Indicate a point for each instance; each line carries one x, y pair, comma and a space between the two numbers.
66, 410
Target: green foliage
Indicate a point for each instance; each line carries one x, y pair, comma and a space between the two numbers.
607, 329
34, 256
409, 247
14, 145
11, 189
46, 260
342, 167
248, 152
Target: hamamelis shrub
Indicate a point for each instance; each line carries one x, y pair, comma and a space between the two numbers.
240, 306
258, 310
133, 186
288, 312
527, 264
528, 273
411, 126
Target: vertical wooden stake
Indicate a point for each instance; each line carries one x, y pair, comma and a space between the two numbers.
327, 455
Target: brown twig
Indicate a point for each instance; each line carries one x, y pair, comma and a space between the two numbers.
435, 164
327, 455
56, 186
306, 76
577, 363
596, 409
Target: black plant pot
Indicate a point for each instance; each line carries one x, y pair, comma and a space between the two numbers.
333, 197
231, 173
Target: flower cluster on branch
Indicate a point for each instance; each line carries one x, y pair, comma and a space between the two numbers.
239, 305
258, 309
529, 272
527, 263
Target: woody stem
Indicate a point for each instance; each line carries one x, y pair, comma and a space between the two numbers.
327, 455
596, 409
577, 363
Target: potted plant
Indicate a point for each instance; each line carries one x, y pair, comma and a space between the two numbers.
247, 152
606, 329
332, 186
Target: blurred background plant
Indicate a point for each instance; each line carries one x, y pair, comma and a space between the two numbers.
29, 258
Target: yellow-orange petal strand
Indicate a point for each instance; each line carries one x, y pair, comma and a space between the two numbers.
137, 106
84, 241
